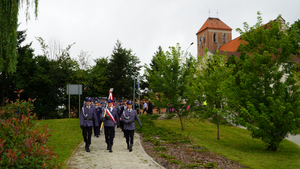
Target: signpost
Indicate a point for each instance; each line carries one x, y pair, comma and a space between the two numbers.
139, 93
74, 89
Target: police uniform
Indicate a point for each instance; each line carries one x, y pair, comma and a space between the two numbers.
86, 123
123, 108
99, 114
128, 117
103, 102
109, 126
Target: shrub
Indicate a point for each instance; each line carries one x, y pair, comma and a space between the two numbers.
22, 144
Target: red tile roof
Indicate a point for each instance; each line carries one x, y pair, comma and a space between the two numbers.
231, 46
214, 23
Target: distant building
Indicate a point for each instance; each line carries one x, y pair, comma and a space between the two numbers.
213, 34
216, 35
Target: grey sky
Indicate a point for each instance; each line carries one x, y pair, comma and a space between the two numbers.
142, 25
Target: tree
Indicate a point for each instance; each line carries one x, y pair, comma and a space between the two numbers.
55, 69
8, 35
296, 42
208, 86
170, 80
121, 70
266, 96
84, 59
153, 67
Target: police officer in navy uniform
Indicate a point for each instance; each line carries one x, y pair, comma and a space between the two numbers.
88, 113
109, 125
103, 102
123, 108
99, 117
128, 117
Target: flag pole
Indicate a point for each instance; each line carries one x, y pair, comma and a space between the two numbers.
110, 90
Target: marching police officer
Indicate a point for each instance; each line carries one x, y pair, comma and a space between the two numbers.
99, 117
109, 125
128, 117
123, 108
103, 102
88, 113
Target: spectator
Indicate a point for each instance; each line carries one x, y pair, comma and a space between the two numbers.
145, 107
150, 108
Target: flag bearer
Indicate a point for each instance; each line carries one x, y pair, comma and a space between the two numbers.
128, 117
88, 113
111, 119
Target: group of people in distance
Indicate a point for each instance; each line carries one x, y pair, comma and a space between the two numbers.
100, 111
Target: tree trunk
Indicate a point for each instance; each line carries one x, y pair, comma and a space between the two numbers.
159, 101
181, 122
218, 137
2, 96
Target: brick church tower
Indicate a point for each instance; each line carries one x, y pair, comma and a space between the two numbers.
212, 35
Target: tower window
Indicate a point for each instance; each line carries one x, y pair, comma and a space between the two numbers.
224, 38
215, 38
203, 38
200, 41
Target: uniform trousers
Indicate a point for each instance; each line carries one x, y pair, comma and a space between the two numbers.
97, 129
109, 134
87, 133
129, 134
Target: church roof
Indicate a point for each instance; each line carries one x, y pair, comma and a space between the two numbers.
214, 23
231, 46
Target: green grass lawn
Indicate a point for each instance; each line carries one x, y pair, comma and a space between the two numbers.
236, 144
66, 137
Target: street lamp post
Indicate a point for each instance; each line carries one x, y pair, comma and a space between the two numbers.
186, 59
138, 81
189, 46
134, 71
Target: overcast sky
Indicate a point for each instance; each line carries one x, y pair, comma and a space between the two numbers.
142, 25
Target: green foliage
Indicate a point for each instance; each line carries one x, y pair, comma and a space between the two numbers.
160, 149
170, 115
22, 144
169, 80
9, 37
263, 94
210, 165
208, 86
121, 70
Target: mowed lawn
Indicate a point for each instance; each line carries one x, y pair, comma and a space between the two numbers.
236, 144
66, 137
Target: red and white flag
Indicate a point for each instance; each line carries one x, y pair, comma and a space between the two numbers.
110, 96
110, 115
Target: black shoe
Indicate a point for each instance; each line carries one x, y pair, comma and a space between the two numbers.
130, 147
88, 148
97, 136
110, 150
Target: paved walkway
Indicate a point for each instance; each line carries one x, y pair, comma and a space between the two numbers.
295, 139
99, 157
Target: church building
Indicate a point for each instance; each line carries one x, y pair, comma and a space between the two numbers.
216, 35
